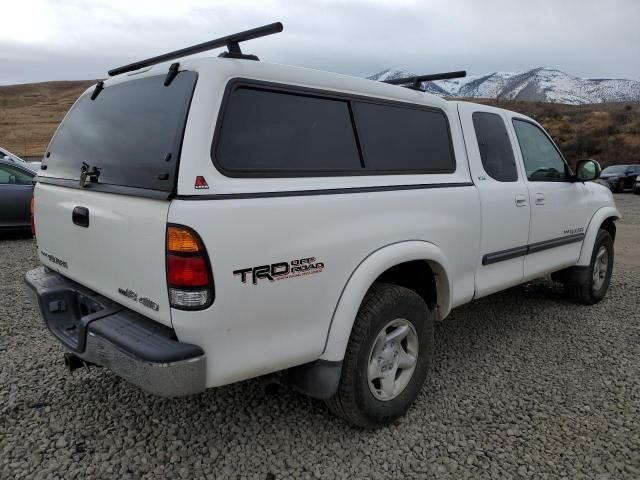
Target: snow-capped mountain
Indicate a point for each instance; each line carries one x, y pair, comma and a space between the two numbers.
538, 84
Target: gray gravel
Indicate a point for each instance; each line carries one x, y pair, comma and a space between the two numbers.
525, 385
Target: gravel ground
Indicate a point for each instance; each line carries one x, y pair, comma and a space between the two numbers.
525, 385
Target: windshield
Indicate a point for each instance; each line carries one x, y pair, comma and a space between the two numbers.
132, 132
615, 169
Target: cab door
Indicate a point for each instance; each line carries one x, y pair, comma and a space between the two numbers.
504, 198
560, 210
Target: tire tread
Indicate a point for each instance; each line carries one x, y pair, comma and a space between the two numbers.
344, 402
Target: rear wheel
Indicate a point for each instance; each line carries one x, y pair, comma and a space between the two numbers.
387, 358
595, 286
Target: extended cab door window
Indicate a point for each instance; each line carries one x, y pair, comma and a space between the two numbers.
495, 147
542, 161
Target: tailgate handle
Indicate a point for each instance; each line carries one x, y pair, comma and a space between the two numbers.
80, 216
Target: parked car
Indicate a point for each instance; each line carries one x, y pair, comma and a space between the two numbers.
229, 218
10, 157
16, 190
620, 177
636, 186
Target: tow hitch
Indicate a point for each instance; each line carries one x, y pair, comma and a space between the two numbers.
74, 362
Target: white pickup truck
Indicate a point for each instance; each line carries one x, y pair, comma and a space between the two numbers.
217, 219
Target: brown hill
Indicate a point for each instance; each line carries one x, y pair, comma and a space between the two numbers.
610, 133
607, 132
30, 113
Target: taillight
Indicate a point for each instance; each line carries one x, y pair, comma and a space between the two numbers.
188, 270
32, 211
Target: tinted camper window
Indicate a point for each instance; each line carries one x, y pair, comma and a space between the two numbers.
132, 131
402, 139
270, 132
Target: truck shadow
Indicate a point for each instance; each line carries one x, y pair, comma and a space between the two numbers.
15, 235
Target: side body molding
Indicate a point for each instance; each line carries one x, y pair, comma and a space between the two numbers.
365, 274
592, 230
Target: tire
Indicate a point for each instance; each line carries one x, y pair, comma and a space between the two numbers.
636, 190
355, 400
590, 291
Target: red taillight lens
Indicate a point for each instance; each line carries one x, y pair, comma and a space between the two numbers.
187, 271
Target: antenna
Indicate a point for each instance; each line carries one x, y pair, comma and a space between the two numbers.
232, 42
417, 80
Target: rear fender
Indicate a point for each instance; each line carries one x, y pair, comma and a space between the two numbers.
592, 231
366, 273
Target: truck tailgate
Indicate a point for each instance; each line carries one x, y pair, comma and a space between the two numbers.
119, 254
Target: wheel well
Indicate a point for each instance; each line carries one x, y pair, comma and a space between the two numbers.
415, 275
610, 226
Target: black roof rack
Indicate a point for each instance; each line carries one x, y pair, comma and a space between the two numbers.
230, 41
414, 82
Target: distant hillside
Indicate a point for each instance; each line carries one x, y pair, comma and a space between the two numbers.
610, 132
536, 85
30, 113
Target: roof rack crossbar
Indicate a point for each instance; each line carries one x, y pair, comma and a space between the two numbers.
230, 41
414, 82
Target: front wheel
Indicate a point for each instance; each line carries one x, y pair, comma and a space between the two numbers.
595, 286
387, 358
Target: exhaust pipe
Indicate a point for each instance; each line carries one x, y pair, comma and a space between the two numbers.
74, 362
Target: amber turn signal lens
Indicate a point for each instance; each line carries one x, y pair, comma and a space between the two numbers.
181, 240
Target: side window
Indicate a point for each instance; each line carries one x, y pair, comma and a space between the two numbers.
542, 161
495, 147
401, 139
13, 176
266, 131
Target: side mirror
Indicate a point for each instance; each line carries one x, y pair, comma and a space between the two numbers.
587, 170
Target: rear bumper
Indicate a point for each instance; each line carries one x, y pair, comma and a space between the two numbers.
104, 332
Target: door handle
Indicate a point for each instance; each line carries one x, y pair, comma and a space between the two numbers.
539, 199
521, 200
80, 216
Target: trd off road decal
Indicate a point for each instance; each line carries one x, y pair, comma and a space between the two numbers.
281, 271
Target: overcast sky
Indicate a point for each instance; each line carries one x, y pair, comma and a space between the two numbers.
80, 39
